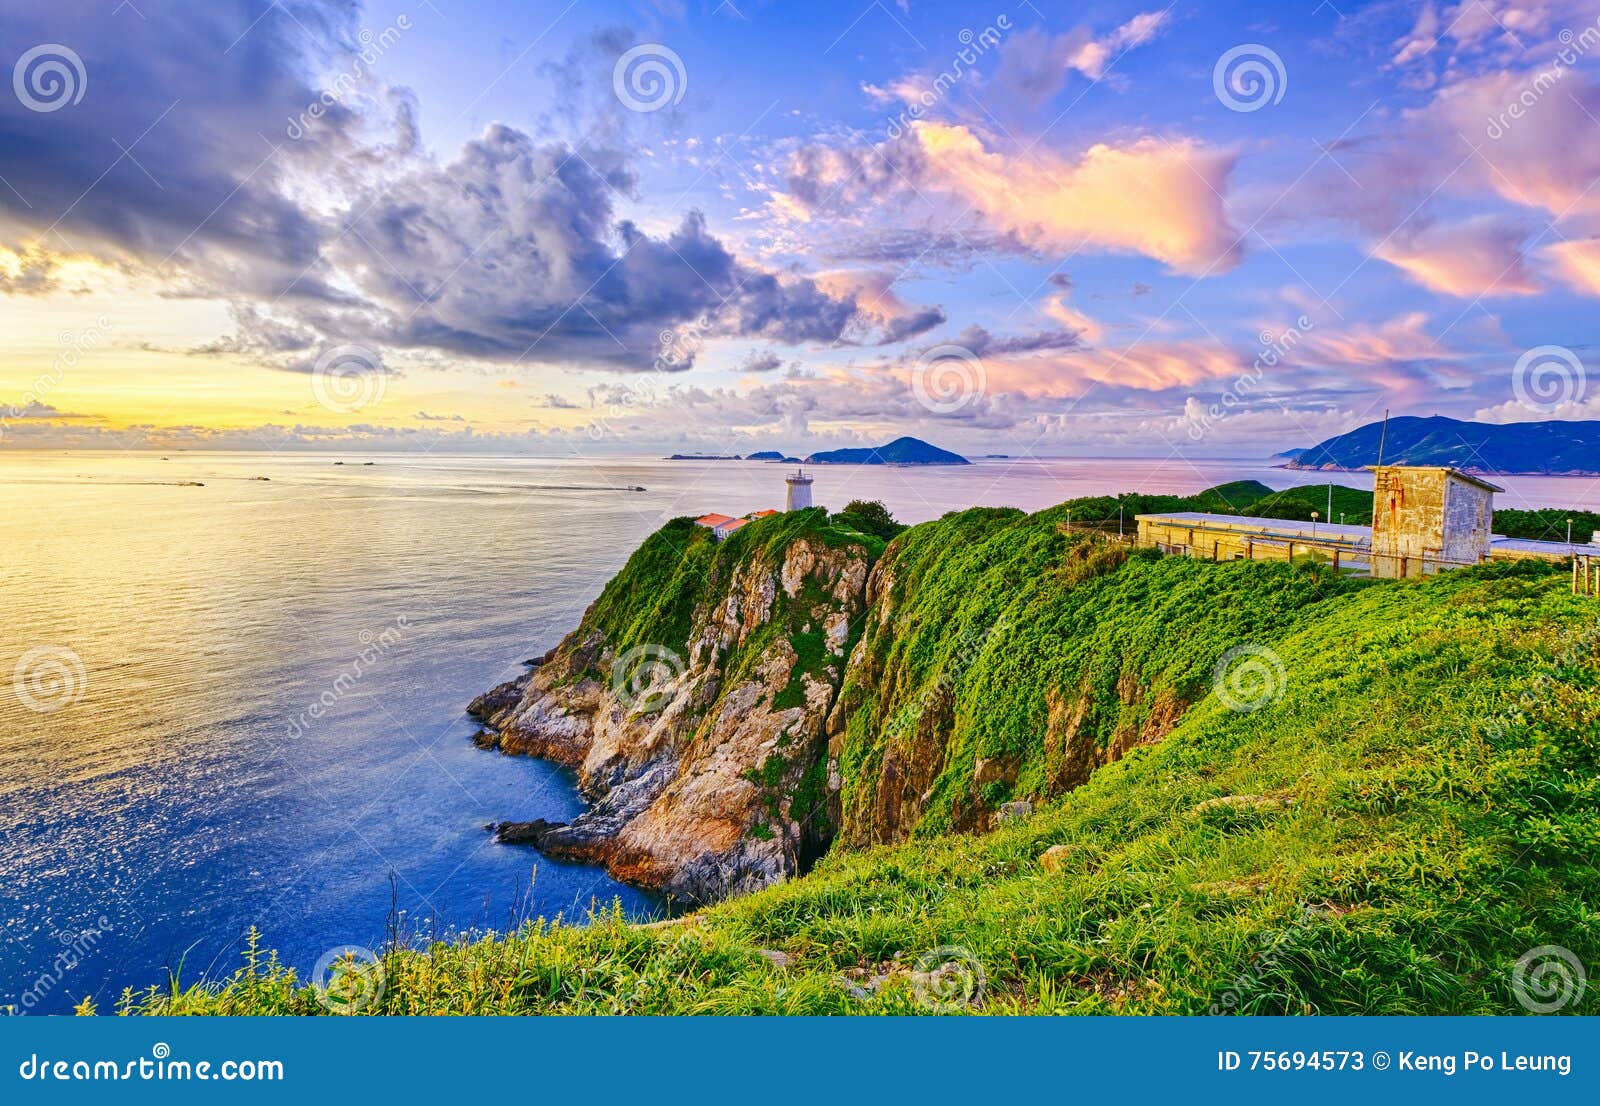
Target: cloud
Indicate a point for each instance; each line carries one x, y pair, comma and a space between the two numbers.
1481, 256
1523, 123
879, 305
1577, 263
513, 250
37, 410
1034, 64
1160, 199
760, 361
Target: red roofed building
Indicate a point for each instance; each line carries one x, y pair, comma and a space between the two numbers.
720, 525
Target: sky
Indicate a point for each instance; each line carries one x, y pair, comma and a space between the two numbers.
1103, 229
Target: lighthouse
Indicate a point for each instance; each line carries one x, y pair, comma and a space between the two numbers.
799, 490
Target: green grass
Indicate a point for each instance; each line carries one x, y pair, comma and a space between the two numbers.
1417, 808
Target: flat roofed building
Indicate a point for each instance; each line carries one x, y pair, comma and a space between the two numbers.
1241, 538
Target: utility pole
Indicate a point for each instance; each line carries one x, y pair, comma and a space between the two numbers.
1330, 501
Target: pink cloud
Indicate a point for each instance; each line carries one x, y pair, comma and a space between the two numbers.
1577, 263
1481, 256
1160, 199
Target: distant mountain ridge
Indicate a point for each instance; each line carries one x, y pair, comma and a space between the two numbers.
901, 451
1552, 448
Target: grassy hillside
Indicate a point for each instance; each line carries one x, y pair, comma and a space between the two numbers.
1413, 803
1010, 657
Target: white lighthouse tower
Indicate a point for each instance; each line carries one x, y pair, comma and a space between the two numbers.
799, 490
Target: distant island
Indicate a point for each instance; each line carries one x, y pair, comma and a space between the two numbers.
705, 457
773, 455
1553, 448
901, 451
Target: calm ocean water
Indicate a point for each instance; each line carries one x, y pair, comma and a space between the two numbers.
241, 704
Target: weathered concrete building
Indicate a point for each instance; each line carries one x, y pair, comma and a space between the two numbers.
1425, 518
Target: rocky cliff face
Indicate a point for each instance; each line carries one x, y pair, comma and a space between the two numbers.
733, 711
702, 755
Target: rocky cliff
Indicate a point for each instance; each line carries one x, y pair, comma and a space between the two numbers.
734, 710
691, 702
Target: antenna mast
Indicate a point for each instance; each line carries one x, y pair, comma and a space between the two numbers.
1383, 435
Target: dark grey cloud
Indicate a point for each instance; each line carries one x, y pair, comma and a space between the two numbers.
169, 152
320, 216
978, 341
760, 361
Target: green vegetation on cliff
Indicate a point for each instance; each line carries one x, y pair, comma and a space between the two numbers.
652, 601
1387, 794
1007, 657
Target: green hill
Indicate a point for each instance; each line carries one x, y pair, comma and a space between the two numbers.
1556, 446
1254, 787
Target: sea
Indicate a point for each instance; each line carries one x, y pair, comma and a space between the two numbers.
232, 685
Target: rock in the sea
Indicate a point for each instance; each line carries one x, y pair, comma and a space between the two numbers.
498, 699
525, 833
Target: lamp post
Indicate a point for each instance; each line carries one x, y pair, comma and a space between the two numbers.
1569, 535
1119, 519
1314, 525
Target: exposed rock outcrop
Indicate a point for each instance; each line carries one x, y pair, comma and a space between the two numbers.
702, 759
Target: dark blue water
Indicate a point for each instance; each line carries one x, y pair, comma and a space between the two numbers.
267, 726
